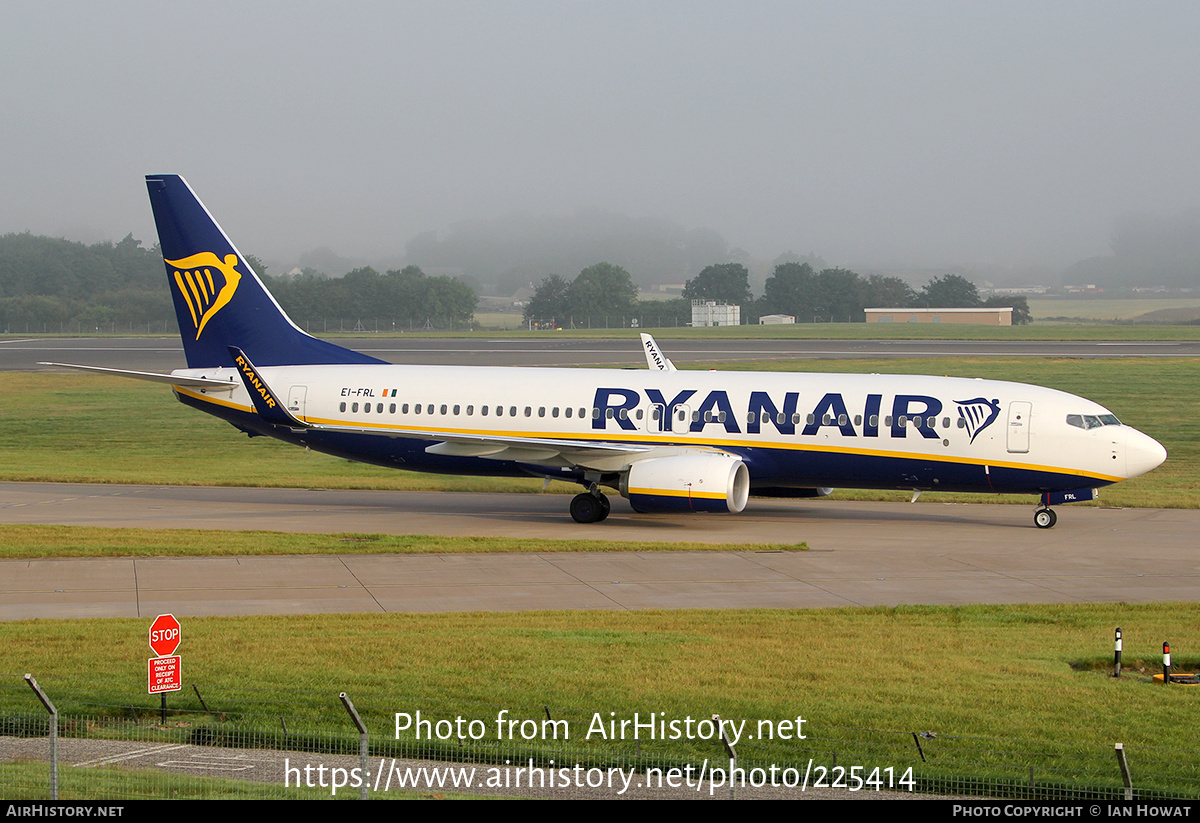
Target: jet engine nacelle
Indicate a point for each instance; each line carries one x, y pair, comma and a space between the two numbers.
700, 482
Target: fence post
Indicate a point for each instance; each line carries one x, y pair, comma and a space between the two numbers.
729, 750
362, 743
53, 733
1125, 778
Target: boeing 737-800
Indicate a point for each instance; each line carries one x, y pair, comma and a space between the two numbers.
668, 440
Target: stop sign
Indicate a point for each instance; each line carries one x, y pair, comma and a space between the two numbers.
164, 634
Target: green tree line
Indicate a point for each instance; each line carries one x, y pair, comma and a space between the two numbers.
51, 282
796, 289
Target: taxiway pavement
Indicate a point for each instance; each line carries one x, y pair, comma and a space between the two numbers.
859, 554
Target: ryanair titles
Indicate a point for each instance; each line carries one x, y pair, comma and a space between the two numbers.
253, 383
688, 411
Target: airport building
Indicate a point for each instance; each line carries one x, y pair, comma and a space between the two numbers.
988, 316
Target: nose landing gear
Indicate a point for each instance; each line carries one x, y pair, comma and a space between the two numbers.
1045, 518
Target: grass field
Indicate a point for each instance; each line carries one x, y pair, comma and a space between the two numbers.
1093, 309
88, 428
1073, 309
995, 685
868, 331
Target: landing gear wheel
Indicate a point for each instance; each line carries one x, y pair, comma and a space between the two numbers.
589, 508
1045, 518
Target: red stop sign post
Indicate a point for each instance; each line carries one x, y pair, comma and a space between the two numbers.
164, 673
164, 635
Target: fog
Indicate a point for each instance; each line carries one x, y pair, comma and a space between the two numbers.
877, 135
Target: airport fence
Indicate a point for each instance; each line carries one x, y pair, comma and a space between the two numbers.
107, 742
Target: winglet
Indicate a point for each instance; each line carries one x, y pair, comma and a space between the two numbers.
266, 402
654, 356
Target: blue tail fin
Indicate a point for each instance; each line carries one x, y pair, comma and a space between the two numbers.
219, 300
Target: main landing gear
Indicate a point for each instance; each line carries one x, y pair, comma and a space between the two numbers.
1045, 518
590, 507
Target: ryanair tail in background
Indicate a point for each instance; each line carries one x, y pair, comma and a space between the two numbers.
219, 300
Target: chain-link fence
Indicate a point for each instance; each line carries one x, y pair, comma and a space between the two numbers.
106, 743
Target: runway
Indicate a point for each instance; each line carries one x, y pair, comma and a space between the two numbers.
865, 554
164, 354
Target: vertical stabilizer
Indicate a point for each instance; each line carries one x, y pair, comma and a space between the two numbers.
219, 300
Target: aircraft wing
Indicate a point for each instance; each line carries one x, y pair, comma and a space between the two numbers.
655, 359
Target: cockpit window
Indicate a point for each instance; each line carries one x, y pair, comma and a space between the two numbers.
1092, 421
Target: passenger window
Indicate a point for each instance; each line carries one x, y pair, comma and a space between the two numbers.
499, 411
811, 419
842, 419
391, 408
624, 414
483, 410
416, 408
512, 411
404, 409
569, 410
796, 419
554, 411
874, 421
342, 407
541, 411
596, 413
443, 408
457, 408
858, 419
379, 408
366, 408
470, 410
354, 407
429, 409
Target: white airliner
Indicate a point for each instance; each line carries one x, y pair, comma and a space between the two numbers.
668, 440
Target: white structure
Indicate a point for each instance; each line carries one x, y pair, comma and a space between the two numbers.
712, 313
776, 320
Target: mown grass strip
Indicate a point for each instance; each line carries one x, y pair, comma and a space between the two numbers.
31, 541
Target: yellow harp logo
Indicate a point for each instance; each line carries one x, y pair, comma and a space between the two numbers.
206, 283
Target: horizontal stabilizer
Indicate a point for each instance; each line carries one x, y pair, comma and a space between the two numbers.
153, 377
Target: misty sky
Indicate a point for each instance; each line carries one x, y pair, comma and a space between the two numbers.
874, 134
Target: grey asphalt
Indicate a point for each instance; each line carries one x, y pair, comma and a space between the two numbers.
860, 554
